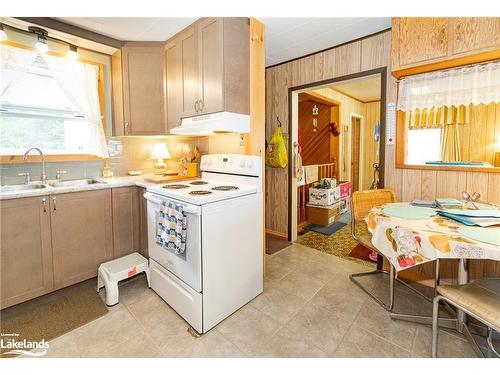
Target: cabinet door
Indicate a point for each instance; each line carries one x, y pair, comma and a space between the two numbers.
422, 39
26, 253
82, 234
211, 55
144, 90
475, 34
173, 74
125, 221
189, 65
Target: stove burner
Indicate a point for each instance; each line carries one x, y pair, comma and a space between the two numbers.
200, 192
199, 183
175, 186
225, 188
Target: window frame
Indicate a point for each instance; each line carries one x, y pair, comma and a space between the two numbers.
401, 150
14, 159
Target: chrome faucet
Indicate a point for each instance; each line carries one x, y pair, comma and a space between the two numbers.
44, 176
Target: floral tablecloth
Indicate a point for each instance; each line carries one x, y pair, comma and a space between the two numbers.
407, 243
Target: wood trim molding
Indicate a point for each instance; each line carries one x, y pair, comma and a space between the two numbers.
277, 234
449, 63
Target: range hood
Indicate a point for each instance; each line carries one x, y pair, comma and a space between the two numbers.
219, 122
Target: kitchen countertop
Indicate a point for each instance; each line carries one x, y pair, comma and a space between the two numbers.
112, 182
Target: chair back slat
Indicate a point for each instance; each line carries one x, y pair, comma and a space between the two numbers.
364, 201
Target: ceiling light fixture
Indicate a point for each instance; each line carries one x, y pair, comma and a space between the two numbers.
41, 44
3, 35
73, 52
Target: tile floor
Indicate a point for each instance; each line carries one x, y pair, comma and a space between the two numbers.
309, 308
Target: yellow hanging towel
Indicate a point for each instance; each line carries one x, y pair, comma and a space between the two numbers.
276, 154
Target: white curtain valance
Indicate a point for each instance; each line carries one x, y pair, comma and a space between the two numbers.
476, 84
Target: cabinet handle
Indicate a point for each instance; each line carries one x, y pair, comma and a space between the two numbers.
54, 203
202, 105
443, 34
196, 106
44, 204
126, 128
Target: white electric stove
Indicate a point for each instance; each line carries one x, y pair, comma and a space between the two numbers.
221, 269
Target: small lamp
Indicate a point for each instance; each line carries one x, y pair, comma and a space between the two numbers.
160, 152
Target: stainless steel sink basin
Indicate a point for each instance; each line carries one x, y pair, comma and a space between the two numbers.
83, 182
14, 188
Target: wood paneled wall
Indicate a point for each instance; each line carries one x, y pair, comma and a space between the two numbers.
366, 54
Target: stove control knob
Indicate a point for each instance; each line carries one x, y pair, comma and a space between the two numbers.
242, 164
249, 164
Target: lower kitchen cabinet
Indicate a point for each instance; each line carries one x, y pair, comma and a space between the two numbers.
25, 250
126, 221
82, 234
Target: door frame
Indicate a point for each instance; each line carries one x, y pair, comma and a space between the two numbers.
293, 94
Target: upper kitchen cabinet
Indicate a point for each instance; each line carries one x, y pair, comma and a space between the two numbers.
475, 34
139, 89
422, 44
208, 68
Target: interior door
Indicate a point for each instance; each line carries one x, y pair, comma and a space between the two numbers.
355, 151
211, 65
189, 65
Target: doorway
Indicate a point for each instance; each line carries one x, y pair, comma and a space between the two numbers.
356, 104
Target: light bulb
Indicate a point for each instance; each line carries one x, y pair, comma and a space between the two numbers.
73, 52
41, 44
3, 35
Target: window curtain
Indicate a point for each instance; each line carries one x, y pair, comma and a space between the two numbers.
437, 117
14, 62
80, 82
450, 143
474, 84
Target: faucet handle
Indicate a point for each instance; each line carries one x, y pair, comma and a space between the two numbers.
26, 175
59, 173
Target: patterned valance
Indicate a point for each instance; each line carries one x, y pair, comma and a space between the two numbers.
437, 117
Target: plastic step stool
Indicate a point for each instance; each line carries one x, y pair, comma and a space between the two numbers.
110, 273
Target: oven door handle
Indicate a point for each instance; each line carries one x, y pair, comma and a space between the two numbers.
187, 209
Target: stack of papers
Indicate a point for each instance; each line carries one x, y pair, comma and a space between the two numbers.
483, 218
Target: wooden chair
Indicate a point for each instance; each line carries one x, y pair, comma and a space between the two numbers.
362, 203
479, 299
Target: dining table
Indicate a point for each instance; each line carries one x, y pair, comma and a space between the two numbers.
409, 236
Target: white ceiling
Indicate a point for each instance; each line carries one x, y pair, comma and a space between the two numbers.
365, 89
132, 29
286, 37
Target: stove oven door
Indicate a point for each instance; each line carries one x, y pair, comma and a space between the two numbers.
187, 266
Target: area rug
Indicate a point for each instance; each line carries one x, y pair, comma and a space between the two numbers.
339, 243
275, 244
52, 315
361, 252
332, 228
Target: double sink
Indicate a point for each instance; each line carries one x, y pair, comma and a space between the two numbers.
36, 186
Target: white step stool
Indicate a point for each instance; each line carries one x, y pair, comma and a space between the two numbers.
110, 273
